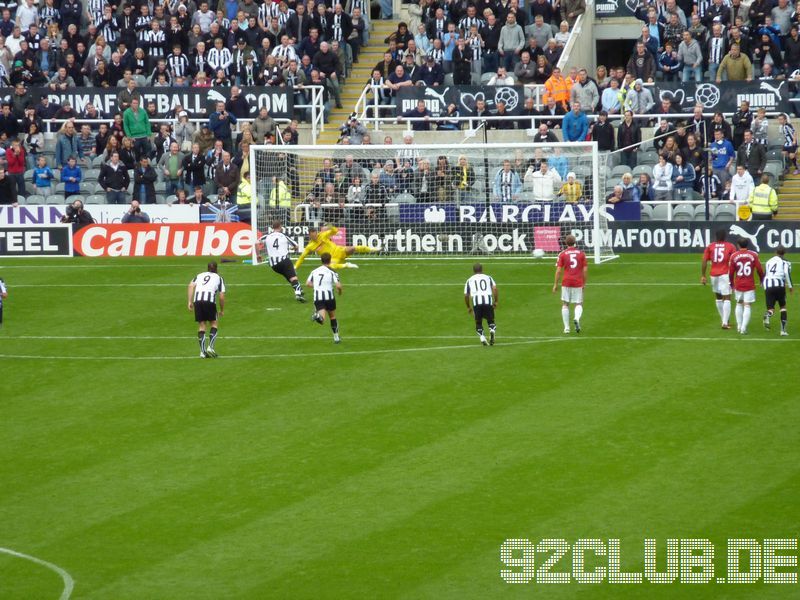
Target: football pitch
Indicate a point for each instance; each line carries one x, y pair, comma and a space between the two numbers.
398, 463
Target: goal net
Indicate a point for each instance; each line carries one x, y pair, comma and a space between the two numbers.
434, 200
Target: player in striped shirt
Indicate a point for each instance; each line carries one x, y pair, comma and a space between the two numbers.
777, 279
480, 296
320, 242
742, 271
203, 291
324, 280
572, 263
278, 246
719, 254
3, 296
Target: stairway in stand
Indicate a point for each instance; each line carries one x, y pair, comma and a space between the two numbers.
370, 56
789, 199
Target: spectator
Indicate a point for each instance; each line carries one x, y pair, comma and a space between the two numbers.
15, 159
585, 92
134, 214
722, 154
742, 185
430, 74
506, 186
543, 182
662, 179
420, 112
752, 156
670, 63
558, 88
263, 126
71, 176
736, 66
114, 180
575, 125
562, 37
194, 168
763, 201
611, 100
171, 165
43, 177
639, 99
602, 132
501, 78
511, 42
144, 180
541, 31
682, 178
571, 10
525, 70
184, 131
137, 127
220, 125
644, 188
629, 136
226, 178
9, 126
66, 145
571, 191
642, 65
629, 191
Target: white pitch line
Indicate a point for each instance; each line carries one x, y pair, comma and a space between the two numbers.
331, 354
397, 284
263, 337
69, 583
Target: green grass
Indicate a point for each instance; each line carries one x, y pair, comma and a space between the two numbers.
394, 464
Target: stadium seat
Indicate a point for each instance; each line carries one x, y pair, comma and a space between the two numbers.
213, 198
98, 161
775, 154
700, 212
648, 158
55, 199
77, 197
638, 170
21, 200
161, 199
59, 188
392, 212
618, 171
96, 199
171, 199
725, 212
683, 212
486, 77
160, 187
91, 175
581, 172
28, 176
98, 189
661, 212
404, 198
35, 199
646, 212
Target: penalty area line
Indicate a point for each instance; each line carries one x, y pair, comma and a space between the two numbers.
69, 583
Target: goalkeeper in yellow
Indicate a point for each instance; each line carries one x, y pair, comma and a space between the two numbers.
320, 242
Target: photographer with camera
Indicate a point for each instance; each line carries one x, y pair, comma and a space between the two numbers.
135, 214
77, 216
220, 124
354, 130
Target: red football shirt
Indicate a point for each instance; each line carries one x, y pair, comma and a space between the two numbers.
719, 254
573, 261
743, 269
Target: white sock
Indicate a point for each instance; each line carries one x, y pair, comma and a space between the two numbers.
720, 308
746, 316
578, 312
726, 311
739, 311
565, 316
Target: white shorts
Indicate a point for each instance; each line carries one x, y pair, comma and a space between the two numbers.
721, 284
748, 297
572, 295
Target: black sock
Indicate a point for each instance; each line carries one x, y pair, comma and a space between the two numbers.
784, 318
491, 327
201, 338
479, 329
335, 325
213, 337
296, 286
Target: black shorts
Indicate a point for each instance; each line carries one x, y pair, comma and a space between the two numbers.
775, 295
205, 311
483, 311
285, 268
327, 305
790, 149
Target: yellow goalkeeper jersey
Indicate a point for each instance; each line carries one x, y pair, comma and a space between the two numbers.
322, 245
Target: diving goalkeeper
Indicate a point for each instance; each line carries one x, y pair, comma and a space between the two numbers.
320, 242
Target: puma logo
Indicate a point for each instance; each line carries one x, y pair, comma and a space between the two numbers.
771, 88
752, 237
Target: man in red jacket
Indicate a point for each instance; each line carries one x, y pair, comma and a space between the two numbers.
15, 157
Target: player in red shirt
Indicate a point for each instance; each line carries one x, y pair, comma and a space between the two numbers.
572, 263
743, 268
719, 254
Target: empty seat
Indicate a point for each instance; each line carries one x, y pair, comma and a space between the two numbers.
683, 212
647, 213
647, 169
725, 212
91, 175
55, 199
96, 199
404, 198
35, 199
98, 161
161, 199
618, 171
171, 199
661, 212
700, 212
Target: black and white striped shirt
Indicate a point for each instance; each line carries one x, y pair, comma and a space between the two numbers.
220, 58
324, 280
206, 286
178, 65
437, 54
507, 185
265, 13
475, 47
284, 54
479, 288
787, 131
95, 10
48, 15
440, 27
278, 246
337, 27
715, 50
157, 42
467, 22
777, 273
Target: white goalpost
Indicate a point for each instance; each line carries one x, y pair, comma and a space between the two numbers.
437, 200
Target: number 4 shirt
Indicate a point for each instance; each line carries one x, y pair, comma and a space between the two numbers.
573, 261
744, 266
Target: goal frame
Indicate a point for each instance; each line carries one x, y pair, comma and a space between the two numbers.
333, 149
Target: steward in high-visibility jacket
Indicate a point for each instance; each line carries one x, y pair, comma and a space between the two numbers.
763, 201
558, 88
245, 193
280, 196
